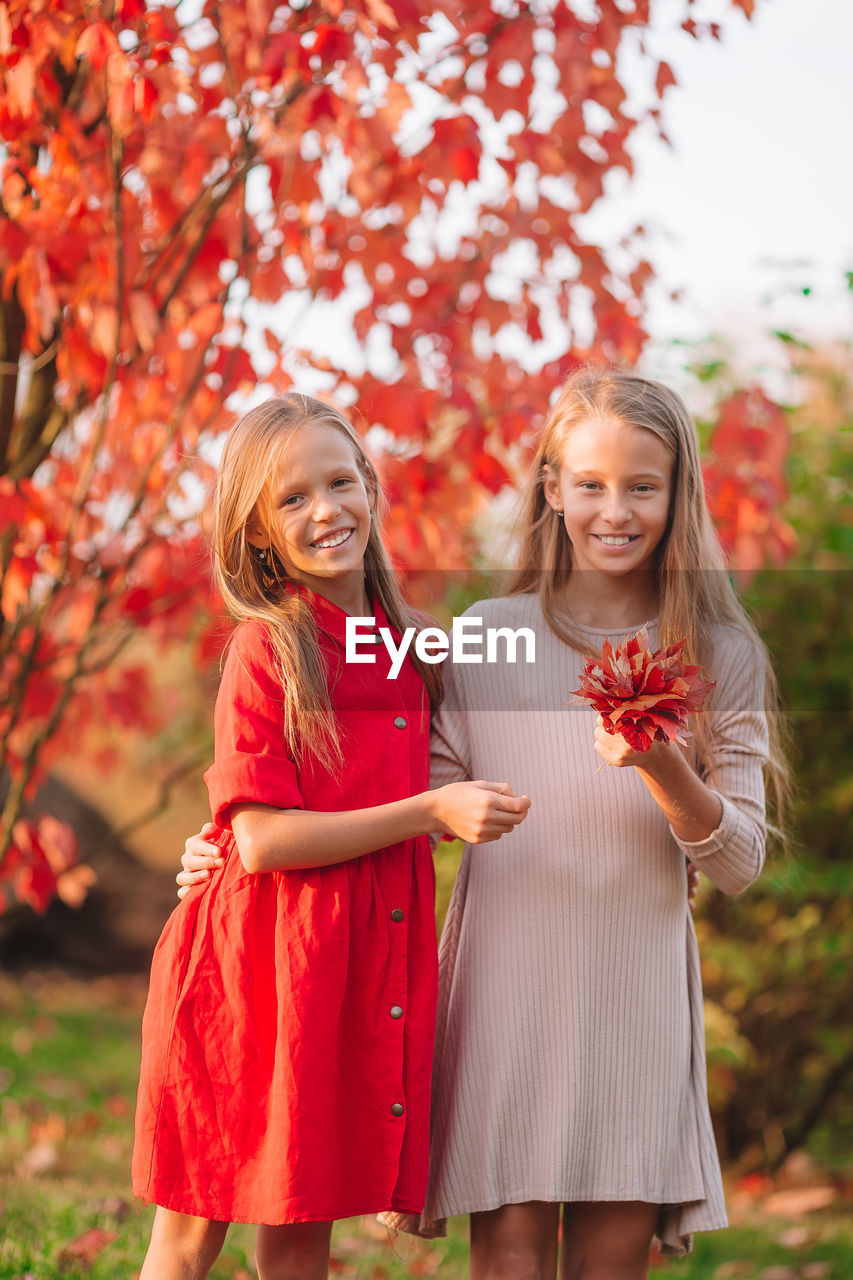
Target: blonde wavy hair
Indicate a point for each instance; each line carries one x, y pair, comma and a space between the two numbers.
693, 587
256, 588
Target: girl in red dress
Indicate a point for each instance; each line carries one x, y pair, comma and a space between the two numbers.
288, 1035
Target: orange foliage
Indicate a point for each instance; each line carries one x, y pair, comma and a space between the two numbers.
159, 175
745, 482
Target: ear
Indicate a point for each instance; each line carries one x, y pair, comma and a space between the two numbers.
255, 535
370, 480
372, 491
551, 487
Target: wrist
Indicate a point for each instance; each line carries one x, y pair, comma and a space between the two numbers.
659, 762
424, 810
432, 806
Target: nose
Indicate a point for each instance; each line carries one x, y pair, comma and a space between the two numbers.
616, 509
325, 507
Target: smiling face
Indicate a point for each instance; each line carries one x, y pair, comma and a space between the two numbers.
319, 506
613, 485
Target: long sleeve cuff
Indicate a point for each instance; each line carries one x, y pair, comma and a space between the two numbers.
733, 854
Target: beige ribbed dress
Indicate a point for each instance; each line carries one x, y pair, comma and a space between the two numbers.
570, 1057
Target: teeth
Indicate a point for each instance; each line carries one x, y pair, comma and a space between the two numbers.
335, 540
610, 541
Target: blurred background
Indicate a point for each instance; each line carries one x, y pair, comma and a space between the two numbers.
430, 214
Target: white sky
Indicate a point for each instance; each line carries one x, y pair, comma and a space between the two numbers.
756, 193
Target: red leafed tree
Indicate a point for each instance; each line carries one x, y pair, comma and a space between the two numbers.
745, 481
167, 177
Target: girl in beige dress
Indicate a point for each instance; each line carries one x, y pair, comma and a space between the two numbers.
569, 1082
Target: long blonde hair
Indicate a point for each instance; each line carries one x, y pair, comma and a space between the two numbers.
256, 588
693, 587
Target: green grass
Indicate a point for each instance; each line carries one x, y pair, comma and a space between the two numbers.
68, 1062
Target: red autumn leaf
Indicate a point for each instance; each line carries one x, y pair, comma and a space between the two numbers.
332, 44
664, 78
382, 14
41, 863
97, 43
746, 484
645, 696
459, 140
87, 1248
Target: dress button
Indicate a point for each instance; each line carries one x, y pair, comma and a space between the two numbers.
397, 914
396, 1108
396, 1011
399, 722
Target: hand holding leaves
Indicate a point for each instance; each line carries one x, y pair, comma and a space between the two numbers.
644, 695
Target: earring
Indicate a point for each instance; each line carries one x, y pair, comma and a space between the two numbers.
560, 512
262, 553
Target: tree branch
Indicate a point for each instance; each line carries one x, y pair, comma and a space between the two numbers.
12, 325
164, 795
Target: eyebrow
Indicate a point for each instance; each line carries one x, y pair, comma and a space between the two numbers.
297, 485
640, 475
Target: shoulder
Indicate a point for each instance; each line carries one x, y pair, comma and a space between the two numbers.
733, 648
250, 643
737, 662
507, 611
250, 660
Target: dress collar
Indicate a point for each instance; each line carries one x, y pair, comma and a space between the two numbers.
331, 618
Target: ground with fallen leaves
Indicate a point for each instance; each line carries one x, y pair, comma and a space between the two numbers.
68, 1061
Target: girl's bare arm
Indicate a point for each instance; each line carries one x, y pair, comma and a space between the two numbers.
691, 808
276, 840
282, 840
719, 824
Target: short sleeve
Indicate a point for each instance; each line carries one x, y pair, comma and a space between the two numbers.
252, 761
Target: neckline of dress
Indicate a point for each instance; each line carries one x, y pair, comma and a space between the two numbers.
614, 631
649, 623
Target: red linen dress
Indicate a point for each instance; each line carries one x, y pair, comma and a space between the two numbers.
288, 1034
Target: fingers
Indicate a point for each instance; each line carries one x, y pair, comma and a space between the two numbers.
503, 788
196, 844
490, 833
188, 878
199, 855
692, 885
199, 860
512, 803
502, 816
508, 812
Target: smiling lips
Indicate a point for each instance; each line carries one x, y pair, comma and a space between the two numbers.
332, 540
616, 540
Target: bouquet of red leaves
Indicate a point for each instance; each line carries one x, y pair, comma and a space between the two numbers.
646, 696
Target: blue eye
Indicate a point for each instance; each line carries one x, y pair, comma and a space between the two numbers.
290, 500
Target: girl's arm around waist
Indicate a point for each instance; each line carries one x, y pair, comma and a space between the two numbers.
270, 839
